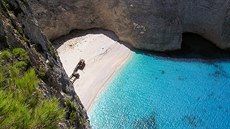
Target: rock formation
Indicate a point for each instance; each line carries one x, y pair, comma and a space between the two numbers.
146, 24
18, 28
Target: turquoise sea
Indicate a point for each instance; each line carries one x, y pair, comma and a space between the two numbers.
152, 92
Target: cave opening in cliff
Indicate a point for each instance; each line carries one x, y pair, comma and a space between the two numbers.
195, 46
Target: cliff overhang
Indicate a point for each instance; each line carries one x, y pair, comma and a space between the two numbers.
150, 25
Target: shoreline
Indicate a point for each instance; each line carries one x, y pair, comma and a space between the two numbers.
104, 57
128, 58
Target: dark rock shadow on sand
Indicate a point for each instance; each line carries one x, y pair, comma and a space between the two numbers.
78, 33
193, 46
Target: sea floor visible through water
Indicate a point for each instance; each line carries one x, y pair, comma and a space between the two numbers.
152, 92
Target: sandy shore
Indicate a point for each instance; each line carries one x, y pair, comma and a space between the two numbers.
103, 56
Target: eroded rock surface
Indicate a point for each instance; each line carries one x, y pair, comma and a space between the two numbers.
18, 28
146, 24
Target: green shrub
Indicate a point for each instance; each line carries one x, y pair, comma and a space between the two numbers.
47, 114
20, 54
5, 56
72, 116
21, 104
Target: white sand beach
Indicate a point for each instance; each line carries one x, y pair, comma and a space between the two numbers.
103, 57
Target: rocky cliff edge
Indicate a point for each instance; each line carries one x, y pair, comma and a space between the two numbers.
145, 24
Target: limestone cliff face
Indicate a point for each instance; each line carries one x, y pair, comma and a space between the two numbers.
18, 28
146, 24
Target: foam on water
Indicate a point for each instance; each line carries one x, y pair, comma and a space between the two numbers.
152, 92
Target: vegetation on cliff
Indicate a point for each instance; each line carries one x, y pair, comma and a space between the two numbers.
21, 102
37, 94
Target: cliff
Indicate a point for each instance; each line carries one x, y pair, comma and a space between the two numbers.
18, 28
145, 24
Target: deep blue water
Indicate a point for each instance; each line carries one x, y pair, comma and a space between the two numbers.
162, 93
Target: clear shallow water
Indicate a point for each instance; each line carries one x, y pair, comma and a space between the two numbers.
159, 93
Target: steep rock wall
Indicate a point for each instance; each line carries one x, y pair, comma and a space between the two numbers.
146, 24
18, 28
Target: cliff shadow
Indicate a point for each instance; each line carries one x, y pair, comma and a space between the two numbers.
193, 46
78, 33
196, 47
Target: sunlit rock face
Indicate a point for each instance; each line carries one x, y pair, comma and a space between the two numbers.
145, 24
